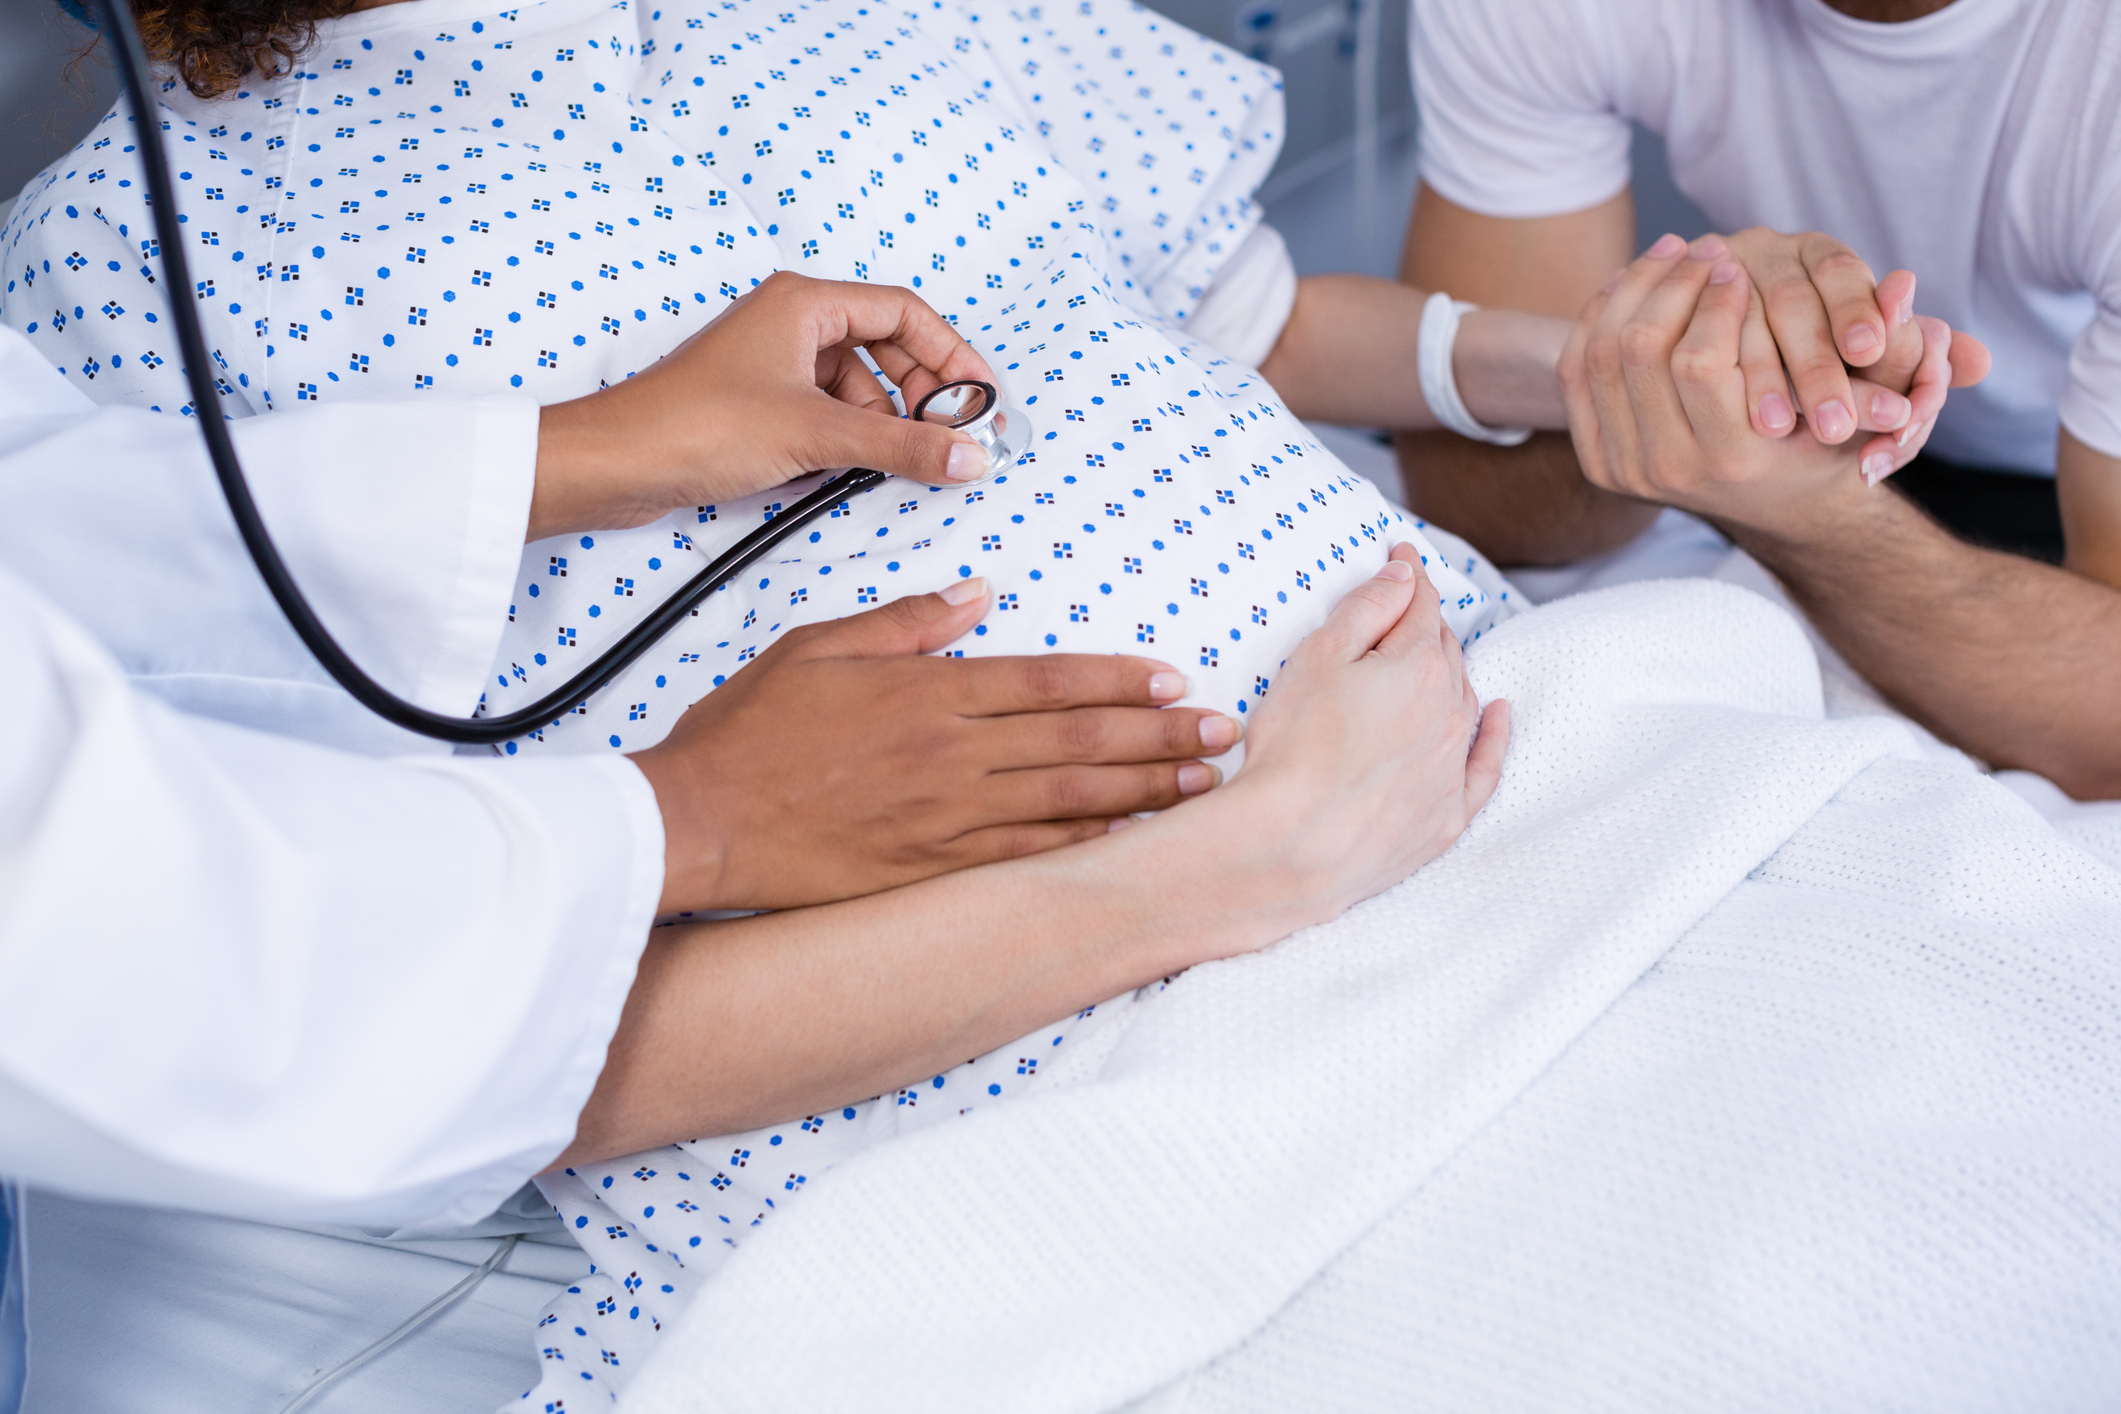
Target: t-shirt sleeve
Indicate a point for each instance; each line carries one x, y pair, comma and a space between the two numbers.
2091, 401
1518, 115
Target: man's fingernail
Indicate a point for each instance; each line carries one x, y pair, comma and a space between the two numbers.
1862, 339
1193, 778
1711, 248
1725, 272
964, 592
1906, 311
1218, 732
1119, 824
1876, 467
1776, 414
1168, 687
1832, 421
1889, 408
1612, 281
968, 462
1398, 570
1911, 432
1667, 246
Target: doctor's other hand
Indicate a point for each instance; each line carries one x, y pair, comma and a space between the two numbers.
1656, 382
844, 761
771, 390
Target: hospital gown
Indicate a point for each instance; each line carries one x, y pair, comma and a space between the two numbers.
445, 196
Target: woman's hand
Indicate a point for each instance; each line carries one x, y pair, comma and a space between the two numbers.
1368, 758
772, 390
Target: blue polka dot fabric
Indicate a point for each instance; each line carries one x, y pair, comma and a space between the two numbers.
551, 197
658, 1225
452, 197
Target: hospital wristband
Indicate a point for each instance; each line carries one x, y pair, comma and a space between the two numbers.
1439, 382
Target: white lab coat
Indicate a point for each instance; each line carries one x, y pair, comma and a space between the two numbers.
241, 973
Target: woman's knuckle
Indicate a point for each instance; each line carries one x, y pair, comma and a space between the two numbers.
1642, 346
1696, 367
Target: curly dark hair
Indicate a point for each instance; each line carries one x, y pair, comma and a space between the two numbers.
215, 44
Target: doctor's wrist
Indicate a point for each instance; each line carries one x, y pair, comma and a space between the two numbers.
695, 852
592, 476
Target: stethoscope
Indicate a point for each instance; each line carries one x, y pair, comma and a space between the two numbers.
968, 405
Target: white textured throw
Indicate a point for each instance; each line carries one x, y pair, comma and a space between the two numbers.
1439, 378
1481, 1144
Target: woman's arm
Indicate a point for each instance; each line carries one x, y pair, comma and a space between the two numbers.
1349, 354
1363, 766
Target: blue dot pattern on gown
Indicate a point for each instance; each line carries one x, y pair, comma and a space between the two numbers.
552, 197
454, 198
659, 1225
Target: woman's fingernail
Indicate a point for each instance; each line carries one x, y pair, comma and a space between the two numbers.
1119, 824
1862, 339
1889, 409
964, 592
1725, 272
1711, 248
1906, 311
1168, 687
1876, 467
1612, 281
1666, 246
1193, 778
1218, 732
1776, 414
1398, 570
968, 462
1911, 432
1832, 421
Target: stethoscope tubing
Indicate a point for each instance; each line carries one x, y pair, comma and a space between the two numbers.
131, 56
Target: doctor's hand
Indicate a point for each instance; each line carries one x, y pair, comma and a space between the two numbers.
844, 761
772, 390
1656, 380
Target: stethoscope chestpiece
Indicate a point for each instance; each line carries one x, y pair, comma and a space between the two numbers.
974, 407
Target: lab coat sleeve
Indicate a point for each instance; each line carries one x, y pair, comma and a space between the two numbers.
251, 975
401, 520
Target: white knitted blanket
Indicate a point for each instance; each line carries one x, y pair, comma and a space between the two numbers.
1171, 1213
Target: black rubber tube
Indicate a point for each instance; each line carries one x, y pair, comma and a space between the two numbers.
124, 35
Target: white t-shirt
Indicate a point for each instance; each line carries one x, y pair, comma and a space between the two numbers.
1979, 147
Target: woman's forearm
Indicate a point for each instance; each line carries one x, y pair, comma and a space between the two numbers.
739, 1024
1350, 355
1359, 771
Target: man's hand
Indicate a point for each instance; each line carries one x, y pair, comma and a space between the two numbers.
772, 390
843, 762
1816, 313
1657, 381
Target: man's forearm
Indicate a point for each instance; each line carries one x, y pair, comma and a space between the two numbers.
733, 1025
2015, 661
1525, 505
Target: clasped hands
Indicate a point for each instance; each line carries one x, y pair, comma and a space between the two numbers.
1763, 381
